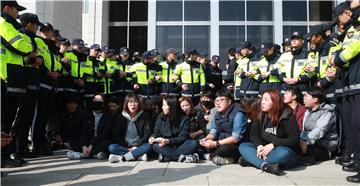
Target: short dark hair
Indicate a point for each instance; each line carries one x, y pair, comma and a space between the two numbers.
207, 93
316, 92
295, 91
231, 51
114, 99
226, 94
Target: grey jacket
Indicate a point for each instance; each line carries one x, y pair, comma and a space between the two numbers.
319, 127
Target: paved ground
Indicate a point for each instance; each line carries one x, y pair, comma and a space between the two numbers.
58, 170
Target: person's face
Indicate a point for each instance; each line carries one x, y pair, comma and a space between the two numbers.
354, 4
133, 105
297, 43
105, 55
12, 11
244, 52
113, 107
185, 107
287, 48
165, 107
124, 57
315, 39
33, 27
94, 53
309, 101
47, 34
266, 102
71, 106
344, 17
171, 57
288, 97
78, 49
222, 104
63, 48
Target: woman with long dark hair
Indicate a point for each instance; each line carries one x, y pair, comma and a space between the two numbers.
170, 137
274, 139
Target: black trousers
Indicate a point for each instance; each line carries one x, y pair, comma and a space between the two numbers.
45, 111
9, 105
318, 152
226, 151
351, 106
23, 121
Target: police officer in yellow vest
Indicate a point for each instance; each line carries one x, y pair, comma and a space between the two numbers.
146, 76
107, 68
349, 14
92, 74
190, 76
168, 85
292, 64
16, 49
268, 76
75, 61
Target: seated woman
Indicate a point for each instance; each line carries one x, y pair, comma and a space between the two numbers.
131, 132
170, 137
274, 139
319, 137
96, 128
228, 129
197, 127
294, 98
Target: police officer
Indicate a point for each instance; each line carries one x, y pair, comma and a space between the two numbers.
136, 57
168, 85
92, 74
190, 76
214, 78
146, 76
231, 67
107, 69
292, 64
50, 73
268, 75
75, 61
349, 55
16, 49
242, 59
286, 45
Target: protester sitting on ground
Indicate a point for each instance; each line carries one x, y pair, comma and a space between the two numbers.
96, 128
68, 125
131, 132
153, 107
114, 105
319, 137
275, 139
171, 134
197, 127
294, 98
227, 130
205, 106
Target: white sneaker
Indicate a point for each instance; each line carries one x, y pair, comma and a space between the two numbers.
73, 155
115, 158
143, 157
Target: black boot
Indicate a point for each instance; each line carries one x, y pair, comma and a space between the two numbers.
242, 162
342, 159
354, 179
273, 169
352, 168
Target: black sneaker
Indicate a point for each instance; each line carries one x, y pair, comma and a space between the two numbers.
15, 157
342, 159
8, 163
307, 161
242, 162
273, 169
354, 179
163, 158
352, 168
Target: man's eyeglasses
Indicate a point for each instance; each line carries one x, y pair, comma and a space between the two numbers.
220, 100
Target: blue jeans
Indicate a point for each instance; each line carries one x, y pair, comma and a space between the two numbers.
281, 155
173, 153
120, 150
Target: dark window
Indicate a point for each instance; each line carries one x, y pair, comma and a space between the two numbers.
258, 34
169, 37
259, 10
117, 37
138, 39
320, 10
288, 30
294, 11
197, 37
231, 10
169, 10
230, 37
197, 10
118, 11
138, 10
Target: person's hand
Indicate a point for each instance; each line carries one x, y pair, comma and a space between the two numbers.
59, 140
85, 150
185, 87
150, 82
303, 147
193, 135
132, 148
249, 74
318, 84
53, 75
266, 150
81, 82
309, 68
258, 150
157, 78
164, 142
208, 144
332, 62
331, 72
65, 60
290, 81
151, 140
122, 74
265, 75
136, 86
211, 85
